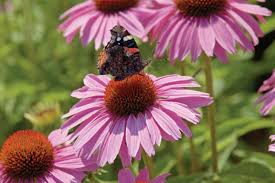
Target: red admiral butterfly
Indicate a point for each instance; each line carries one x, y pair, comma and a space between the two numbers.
121, 57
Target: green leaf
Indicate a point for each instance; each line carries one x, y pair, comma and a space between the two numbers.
266, 159
224, 156
197, 178
269, 25
229, 132
164, 165
248, 172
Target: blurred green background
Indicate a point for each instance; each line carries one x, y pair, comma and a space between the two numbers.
38, 71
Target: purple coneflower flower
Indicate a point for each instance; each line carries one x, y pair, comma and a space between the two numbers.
213, 27
29, 156
124, 117
126, 176
94, 19
268, 98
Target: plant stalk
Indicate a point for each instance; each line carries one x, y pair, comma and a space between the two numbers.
178, 152
148, 161
193, 154
211, 113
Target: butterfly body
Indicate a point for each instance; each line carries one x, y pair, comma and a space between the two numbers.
121, 57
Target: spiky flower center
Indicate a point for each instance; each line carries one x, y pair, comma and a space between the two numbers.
200, 8
141, 182
131, 95
113, 6
26, 155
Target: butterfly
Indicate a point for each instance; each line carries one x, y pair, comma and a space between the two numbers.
121, 56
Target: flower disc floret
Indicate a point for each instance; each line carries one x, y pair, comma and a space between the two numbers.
131, 95
27, 154
114, 6
200, 8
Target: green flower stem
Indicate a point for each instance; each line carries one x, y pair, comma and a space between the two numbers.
148, 161
211, 113
192, 148
91, 178
178, 152
193, 153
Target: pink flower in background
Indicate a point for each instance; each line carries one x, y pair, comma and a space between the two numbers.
29, 156
272, 146
124, 117
268, 98
126, 176
6, 6
94, 19
213, 27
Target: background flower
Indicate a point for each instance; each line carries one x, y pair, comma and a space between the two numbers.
44, 116
215, 26
28, 156
94, 19
126, 176
268, 98
6, 6
124, 117
272, 146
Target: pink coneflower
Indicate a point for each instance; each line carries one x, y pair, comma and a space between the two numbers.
126, 176
124, 117
272, 146
95, 18
268, 98
29, 156
210, 26
6, 6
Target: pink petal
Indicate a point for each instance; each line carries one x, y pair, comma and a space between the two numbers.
181, 123
195, 47
144, 136
87, 33
175, 42
101, 31
175, 81
206, 36
251, 8
182, 110
186, 42
57, 137
124, 154
90, 130
220, 53
143, 176
166, 36
125, 176
238, 33
160, 179
223, 35
75, 9
244, 24
132, 136
76, 110
153, 128
112, 143
166, 123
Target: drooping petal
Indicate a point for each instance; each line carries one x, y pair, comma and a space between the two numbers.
166, 123
144, 136
132, 136
126, 176
206, 36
